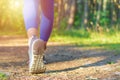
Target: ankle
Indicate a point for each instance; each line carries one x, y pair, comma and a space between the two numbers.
31, 32
44, 42
31, 39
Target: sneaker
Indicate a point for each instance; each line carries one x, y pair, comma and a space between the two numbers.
36, 53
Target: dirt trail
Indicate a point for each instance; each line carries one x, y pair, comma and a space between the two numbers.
64, 62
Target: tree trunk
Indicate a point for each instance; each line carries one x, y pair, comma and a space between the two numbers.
113, 13
60, 8
119, 13
104, 5
72, 14
98, 28
85, 18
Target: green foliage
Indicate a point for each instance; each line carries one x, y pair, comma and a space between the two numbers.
111, 62
3, 76
107, 40
77, 22
106, 15
63, 24
104, 20
72, 33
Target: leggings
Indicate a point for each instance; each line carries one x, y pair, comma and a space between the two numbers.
32, 16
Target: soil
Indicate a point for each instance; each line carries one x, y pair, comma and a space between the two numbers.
64, 61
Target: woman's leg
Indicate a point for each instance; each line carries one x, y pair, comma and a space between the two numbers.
36, 47
31, 17
47, 15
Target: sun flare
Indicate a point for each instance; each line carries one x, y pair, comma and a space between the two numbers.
15, 4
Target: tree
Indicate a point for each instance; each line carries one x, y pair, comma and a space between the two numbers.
71, 14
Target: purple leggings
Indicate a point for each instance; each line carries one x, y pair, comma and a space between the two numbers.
32, 16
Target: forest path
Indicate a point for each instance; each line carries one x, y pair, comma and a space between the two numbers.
64, 62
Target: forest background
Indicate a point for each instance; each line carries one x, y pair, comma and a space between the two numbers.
76, 21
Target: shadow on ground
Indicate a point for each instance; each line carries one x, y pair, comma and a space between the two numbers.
17, 56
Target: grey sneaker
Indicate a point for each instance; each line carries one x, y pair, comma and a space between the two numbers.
36, 53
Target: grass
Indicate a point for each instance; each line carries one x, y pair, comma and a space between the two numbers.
110, 40
80, 37
3, 76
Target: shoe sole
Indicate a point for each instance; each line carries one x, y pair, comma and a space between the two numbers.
37, 65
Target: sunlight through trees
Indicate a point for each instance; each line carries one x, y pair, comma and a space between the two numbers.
69, 14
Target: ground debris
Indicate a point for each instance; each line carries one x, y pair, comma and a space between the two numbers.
64, 63
91, 78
